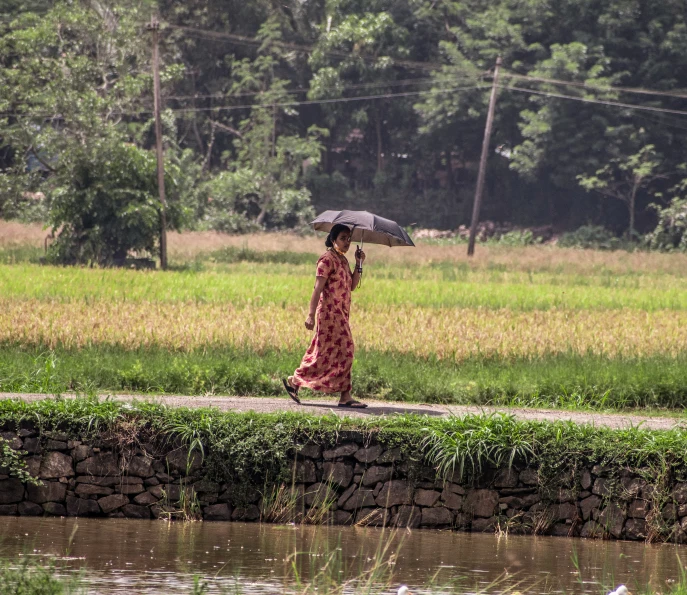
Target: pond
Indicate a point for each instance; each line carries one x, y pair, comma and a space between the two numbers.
127, 556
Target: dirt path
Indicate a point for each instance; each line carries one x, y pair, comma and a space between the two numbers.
322, 406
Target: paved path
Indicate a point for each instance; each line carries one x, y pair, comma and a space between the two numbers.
322, 406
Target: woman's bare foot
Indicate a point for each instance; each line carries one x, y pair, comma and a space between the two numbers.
347, 401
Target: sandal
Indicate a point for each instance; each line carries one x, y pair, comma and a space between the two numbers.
292, 392
353, 404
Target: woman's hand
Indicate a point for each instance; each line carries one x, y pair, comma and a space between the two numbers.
359, 256
310, 322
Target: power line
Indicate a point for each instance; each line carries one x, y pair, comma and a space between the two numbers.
599, 101
281, 104
660, 120
399, 83
235, 38
611, 88
327, 101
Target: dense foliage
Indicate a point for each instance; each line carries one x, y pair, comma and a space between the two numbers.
273, 109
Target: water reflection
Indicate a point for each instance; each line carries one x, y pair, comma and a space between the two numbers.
123, 556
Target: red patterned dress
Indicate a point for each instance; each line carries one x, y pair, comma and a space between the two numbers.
326, 365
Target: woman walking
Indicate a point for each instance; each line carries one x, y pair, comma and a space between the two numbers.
326, 365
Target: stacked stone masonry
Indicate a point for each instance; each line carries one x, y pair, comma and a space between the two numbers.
351, 483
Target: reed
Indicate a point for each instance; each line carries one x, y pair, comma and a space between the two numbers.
24, 576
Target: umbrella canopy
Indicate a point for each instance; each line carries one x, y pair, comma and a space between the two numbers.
367, 227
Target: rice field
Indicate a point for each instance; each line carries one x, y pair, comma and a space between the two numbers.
455, 334
427, 322
287, 284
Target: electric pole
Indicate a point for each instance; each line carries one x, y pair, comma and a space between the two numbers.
154, 28
483, 161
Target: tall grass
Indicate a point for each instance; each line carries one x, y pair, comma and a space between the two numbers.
189, 246
288, 284
23, 576
455, 334
519, 326
563, 381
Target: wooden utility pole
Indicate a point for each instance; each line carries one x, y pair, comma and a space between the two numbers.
483, 161
154, 28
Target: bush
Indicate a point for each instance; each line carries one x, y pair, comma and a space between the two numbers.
669, 234
594, 237
105, 204
235, 204
518, 238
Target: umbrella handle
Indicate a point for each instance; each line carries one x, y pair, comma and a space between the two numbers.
362, 242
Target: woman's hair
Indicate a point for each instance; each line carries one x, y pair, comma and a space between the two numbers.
334, 233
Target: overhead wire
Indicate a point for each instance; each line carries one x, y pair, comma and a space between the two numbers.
235, 38
287, 103
243, 39
632, 106
398, 83
328, 101
607, 88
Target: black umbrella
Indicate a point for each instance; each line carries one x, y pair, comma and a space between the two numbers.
365, 227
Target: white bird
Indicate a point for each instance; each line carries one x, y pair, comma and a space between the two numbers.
404, 590
621, 590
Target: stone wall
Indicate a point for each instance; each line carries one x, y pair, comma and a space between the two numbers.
355, 482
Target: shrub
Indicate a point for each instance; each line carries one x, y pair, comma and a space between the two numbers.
670, 234
105, 204
518, 238
593, 237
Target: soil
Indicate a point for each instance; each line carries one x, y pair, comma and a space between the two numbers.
322, 406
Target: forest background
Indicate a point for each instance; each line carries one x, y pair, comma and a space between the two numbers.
275, 110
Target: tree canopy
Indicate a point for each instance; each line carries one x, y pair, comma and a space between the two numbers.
273, 110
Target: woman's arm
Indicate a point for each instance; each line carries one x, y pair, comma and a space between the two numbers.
356, 278
314, 300
358, 271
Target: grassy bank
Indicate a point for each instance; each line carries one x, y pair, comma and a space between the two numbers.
260, 443
566, 380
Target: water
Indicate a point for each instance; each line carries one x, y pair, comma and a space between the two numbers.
126, 556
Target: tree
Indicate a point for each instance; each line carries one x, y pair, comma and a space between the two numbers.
66, 77
104, 204
624, 177
671, 230
263, 183
367, 44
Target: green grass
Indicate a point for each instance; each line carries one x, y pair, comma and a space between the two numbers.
243, 276
21, 254
257, 441
24, 576
285, 284
564, 381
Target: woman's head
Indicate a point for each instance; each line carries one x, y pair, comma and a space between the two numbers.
339, 236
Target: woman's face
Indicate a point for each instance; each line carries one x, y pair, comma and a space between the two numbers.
343, 241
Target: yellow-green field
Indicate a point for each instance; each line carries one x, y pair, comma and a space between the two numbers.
447, 333
532, 325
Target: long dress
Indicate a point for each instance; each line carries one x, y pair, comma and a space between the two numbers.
326, 365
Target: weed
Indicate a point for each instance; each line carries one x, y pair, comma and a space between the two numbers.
468, 451
29, 577
185, 508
